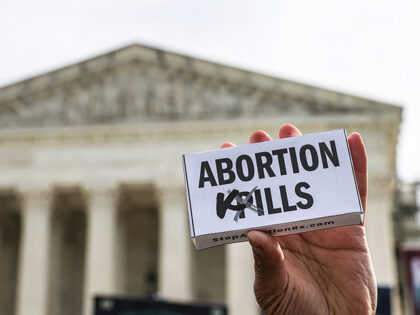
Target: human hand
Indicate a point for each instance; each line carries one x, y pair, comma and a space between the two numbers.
320, 272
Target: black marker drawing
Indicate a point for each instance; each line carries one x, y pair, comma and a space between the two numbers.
244, 201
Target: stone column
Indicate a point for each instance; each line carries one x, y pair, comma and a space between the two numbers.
380, 236
34, 252
240, 280
100, 271
174, 278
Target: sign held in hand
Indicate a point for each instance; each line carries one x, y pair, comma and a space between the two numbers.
281, 187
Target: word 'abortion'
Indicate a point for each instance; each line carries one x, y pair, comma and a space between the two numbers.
307, 158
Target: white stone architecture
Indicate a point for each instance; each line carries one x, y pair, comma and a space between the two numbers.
91, 185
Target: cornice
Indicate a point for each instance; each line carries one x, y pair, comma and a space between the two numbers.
191, 129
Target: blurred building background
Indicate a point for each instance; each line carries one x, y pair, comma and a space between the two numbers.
91, 188
407, 244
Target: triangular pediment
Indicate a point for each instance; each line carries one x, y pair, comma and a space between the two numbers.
139, 83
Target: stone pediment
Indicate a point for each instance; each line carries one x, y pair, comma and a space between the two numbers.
139, 83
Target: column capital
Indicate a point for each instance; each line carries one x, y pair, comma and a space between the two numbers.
101, 187
35, 191
105, 191
41, 195
170, 193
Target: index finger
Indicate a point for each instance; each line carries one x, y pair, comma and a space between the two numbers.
288, 130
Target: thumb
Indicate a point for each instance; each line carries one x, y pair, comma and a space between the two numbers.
270, 272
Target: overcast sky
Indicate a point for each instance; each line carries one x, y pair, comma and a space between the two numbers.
368, 48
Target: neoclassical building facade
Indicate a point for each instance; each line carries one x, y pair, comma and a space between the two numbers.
92, 198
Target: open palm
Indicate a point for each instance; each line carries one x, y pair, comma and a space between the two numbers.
320, 272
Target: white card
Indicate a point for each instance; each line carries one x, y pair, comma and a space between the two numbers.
283, 186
